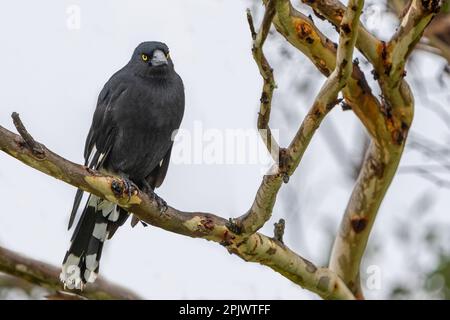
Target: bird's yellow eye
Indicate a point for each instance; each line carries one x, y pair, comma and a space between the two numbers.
144, 57
168, 55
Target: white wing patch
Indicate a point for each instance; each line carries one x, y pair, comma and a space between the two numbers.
92, 155
93, 152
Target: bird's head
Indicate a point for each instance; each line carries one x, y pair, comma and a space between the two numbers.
151, 59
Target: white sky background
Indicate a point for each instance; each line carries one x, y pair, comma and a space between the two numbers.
52, 75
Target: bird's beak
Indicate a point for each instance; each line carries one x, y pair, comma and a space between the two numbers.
159, 58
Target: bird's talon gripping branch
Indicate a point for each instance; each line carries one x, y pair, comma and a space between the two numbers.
123, 187
128, 188
116, 188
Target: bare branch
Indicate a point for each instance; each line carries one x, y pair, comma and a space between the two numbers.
387, 123
388, 130
255, 248
328, 94
266, 72
261, 209
326, 99
333, 11
47, 276
301, 32
37, 150
413, 24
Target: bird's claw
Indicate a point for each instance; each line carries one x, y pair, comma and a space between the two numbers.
233, 226
122, 187
128, 188
162, 205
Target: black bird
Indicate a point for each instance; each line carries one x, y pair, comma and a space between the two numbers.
139, 109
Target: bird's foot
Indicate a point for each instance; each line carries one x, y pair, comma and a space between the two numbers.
123, 187
147, 188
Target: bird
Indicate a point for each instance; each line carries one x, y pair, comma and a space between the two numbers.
138, 112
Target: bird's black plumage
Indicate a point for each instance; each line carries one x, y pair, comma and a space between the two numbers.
137, 113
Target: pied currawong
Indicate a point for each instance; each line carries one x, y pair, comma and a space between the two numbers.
131, 136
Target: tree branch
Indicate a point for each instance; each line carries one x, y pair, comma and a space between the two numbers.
261, 209
255, 248
47, 276
383, 156
333, 11
301, 32
413, 24
269, 84
328, 94
27, 138
387, 123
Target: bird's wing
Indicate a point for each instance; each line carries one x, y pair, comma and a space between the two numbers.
100, 138
156, 177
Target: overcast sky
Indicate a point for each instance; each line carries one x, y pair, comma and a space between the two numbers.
52, 72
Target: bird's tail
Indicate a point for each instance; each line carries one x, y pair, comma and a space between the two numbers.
98, 222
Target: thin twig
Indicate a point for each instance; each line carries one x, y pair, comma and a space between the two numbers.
261, 209
266, 72
30, 142
251, 24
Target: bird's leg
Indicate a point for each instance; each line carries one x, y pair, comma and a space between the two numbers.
162, 205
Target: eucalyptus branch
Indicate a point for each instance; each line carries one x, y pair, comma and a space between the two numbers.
384, 154
47, 276
328, 94
326, 99
387, 123
301, 33
266, 72
255, 248
333, 11
261, 209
